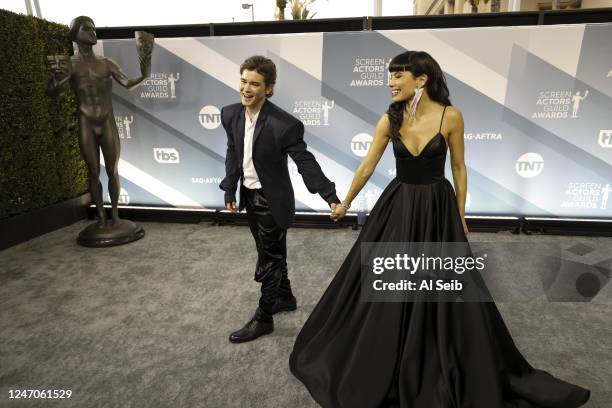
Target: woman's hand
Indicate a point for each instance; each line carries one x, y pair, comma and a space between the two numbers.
338, 212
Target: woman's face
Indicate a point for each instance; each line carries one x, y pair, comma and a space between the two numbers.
403, 85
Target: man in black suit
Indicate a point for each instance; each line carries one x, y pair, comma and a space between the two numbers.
260, 135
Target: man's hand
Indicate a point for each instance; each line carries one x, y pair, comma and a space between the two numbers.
338, 212
232, 207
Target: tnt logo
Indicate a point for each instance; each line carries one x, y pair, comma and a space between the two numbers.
210, 117
166, 155
529, 165
605, 138
360, 144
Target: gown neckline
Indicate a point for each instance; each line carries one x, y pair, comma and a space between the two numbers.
424, 148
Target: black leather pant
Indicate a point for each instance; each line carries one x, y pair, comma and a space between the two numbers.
271, 243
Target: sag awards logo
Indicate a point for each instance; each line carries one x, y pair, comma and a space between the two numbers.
124, 197
210, 117
529, 165
360, 144
587, 195
482, 136
206, 180
123, 126
160, 85
166, 155
558, 104
313, 112
369, 72
605, 138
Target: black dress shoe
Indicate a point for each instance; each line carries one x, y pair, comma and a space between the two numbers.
285, 305
252, 330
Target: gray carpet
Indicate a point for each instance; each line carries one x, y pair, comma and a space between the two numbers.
146, 324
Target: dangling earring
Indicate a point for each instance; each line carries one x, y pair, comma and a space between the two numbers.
414, 103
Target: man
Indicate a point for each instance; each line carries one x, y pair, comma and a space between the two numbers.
260, 135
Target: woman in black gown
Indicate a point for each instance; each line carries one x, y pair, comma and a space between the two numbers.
356, 354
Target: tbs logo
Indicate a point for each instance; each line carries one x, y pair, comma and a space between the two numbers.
166, 155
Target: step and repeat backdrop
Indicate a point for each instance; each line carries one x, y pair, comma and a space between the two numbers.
537, 104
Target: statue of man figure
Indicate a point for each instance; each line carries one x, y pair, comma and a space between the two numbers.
126, 124
605, 192
90, 77
326, 107
172, 80
576, 99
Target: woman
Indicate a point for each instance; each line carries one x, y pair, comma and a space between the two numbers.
353, 354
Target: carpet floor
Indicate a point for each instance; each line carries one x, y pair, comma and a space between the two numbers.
147, 324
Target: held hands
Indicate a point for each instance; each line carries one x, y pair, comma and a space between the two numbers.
338, 212
231, 207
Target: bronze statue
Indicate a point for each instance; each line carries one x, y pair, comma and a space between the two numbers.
90, 77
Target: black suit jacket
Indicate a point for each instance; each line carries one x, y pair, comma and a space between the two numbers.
277, 134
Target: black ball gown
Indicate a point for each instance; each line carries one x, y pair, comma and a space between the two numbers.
356, 354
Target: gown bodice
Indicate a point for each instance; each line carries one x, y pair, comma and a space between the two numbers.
427, 167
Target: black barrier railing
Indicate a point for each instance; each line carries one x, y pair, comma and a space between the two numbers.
191, 30
603, 15
232, 29
455, 21
581, 16
289, 26
476, 223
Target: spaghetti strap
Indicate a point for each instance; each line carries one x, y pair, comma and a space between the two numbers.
444, 111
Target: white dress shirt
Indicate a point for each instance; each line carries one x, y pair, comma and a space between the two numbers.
251, 180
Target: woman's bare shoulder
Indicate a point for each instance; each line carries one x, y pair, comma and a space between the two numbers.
453, 113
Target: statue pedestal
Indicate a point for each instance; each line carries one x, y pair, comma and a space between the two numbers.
120, 233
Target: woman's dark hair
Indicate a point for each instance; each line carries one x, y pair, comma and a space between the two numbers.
418, 63
263, 66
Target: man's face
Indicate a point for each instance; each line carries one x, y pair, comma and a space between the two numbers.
87, 34
253, 88
59, 65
